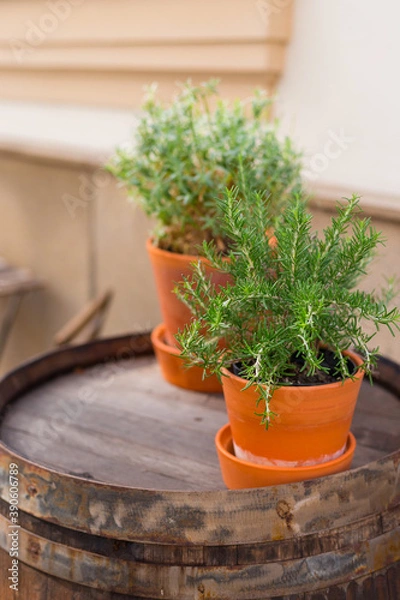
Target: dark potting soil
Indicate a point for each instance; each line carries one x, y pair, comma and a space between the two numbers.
300, 377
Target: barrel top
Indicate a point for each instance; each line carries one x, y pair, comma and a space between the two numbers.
101, 417
120, 423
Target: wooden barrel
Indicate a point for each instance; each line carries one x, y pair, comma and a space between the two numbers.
120, 494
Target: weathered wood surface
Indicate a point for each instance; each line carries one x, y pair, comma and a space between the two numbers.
383, 585
183, 582
131, 521
121, 423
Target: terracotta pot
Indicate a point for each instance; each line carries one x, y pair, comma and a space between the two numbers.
312, 425
169, 269
173, 367
238, 473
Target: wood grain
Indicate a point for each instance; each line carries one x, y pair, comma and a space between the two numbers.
181, 582
124, 424
124, 499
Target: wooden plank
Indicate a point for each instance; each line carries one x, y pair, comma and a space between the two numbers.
260, 57
124, 433
390, 518
381, 588
377, 401
152, 22
365, 455
380, 432
34, 585
393, 581
298, 546
211, 517
111, 88
181, 583
92, 314
64, 58
371, 587
5, 592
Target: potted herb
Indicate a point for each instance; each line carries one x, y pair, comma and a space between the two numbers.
289, 319
184, 155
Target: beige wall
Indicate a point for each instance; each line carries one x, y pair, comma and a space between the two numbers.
340, 80
77, 252
101, 54
386, 264
104, 52
119, 234
98, 244
34, 232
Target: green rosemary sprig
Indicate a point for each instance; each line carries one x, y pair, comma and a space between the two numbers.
285, 299
186, 153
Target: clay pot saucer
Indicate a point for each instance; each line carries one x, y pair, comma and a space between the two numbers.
238, 473
173, 367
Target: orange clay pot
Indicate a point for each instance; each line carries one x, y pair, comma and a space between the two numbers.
173, 367
169, 269
312, 425
238, 473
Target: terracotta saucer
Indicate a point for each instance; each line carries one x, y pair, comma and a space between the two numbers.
173, 367
238, 473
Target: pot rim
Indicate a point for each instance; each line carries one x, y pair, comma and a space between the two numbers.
226, 431
186, 258
157, 338
356, 358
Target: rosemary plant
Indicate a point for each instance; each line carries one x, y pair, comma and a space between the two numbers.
287, 300
186, 153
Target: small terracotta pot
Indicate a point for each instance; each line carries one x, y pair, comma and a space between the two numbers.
173, 367
169, 269
312, 425
238, 473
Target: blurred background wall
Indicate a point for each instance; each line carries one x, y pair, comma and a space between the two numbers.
103, 52
71, 81
339, 95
